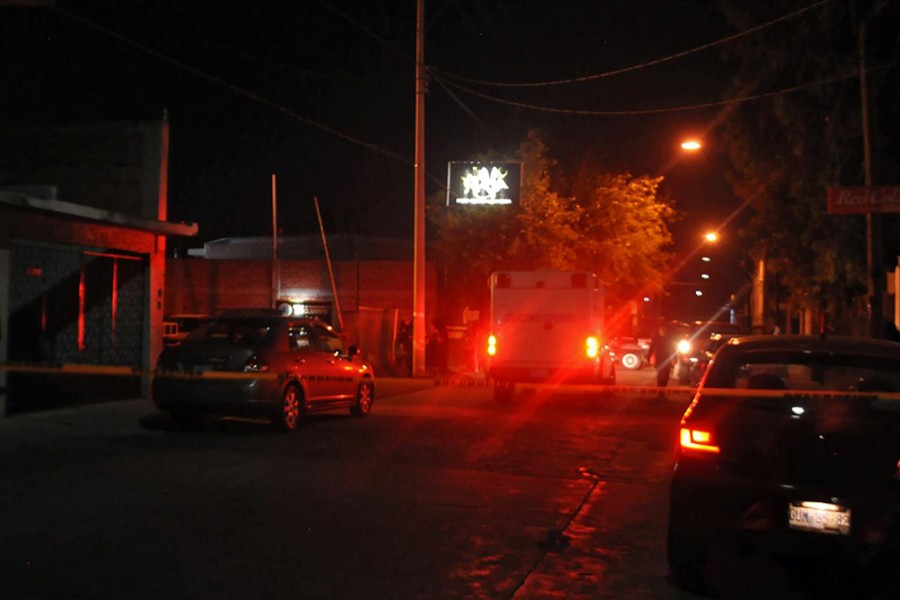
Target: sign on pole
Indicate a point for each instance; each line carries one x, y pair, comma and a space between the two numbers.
862, 200
483, 183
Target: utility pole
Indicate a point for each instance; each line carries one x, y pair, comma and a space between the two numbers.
276, 267
418, 356
874, 250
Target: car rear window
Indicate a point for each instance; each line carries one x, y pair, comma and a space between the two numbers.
244, 332
806, 372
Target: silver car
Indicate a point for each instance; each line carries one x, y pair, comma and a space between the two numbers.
260, 363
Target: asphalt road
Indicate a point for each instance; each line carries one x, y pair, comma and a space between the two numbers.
439, 493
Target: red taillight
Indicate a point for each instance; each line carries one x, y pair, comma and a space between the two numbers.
698, 439
492, 345
592, 347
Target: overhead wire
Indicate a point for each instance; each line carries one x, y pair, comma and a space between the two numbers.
637, 67
232, 87
670, 109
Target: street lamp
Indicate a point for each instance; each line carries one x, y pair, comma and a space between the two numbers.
711, 236
691, 145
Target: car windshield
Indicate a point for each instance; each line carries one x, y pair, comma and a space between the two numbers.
807, 371
242, 332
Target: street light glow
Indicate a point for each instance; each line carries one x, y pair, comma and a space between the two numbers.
698, 293
711, 236
691, 145
704, 276
706, 259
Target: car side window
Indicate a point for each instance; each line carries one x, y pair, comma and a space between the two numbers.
300, 337
327, 341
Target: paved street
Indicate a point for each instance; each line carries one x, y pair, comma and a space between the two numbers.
440, 493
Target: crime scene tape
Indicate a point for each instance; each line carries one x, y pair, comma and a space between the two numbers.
120, 371
884, 400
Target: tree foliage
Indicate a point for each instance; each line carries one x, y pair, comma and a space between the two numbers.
614, 224
788, 148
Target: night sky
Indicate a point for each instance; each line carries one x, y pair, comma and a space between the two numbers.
254, 88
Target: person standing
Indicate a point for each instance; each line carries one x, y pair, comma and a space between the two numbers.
661, 354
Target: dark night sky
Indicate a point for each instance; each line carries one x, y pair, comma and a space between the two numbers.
348, 65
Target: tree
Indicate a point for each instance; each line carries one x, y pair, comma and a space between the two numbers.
788, 148
615, 225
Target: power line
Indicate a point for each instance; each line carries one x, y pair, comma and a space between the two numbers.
637, 67
655, 111
233, 88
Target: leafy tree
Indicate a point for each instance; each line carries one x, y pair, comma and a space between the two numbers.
615, 225
788, 148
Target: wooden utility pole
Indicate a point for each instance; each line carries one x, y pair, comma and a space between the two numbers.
418, 356
874, 250
276, 266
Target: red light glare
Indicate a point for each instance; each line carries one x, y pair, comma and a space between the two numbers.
697, 439
492, 345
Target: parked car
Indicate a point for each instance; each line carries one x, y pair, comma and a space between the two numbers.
177, 327
259, 362
790, 448
630, 352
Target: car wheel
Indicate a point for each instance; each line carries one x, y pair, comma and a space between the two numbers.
632, 361
288, 418
504, 390
365, 396
688, 559
185, 418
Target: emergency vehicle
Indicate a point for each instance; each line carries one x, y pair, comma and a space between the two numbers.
547, 326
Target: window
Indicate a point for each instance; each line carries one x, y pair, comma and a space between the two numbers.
299, 336
327, 341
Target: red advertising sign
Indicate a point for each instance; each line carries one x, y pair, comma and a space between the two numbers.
861, 200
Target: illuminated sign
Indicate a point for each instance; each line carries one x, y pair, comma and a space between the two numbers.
483, 183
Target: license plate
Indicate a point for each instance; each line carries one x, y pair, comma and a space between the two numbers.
820, 517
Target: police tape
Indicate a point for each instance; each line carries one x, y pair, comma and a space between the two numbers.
891, 399
124, 371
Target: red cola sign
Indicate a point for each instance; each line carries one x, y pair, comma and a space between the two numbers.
861, 200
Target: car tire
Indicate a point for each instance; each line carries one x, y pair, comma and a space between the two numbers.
687, 559
365, 396
631, 361
185, 418
291, 409
504, 390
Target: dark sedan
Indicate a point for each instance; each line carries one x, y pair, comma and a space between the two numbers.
261, 363
790, 448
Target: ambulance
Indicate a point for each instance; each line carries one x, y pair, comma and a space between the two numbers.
547, 326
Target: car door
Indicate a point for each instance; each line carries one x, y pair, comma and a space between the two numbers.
332, 360
307, 362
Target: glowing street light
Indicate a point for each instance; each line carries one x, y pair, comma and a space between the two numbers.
691, 145
711, 237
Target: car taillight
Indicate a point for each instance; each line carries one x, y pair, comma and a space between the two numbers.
492, 345
256, 365
592, 347
684, 347
702, 440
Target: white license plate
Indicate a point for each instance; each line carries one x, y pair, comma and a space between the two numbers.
819, 517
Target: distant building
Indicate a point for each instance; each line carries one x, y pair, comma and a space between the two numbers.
373, 277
